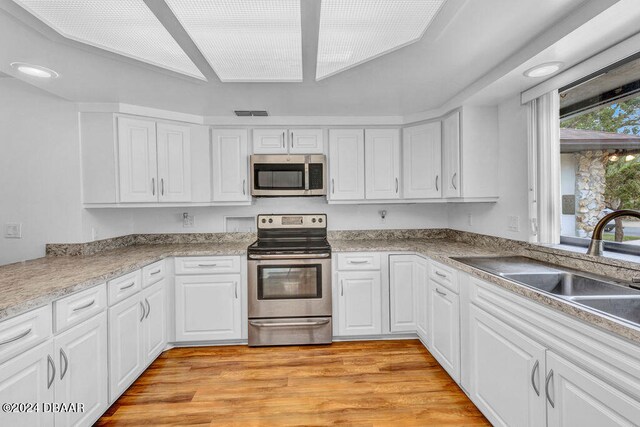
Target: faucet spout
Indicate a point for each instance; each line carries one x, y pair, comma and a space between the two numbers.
596, 244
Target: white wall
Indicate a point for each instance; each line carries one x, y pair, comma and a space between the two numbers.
492, 218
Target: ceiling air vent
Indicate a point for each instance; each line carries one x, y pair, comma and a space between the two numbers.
246, 113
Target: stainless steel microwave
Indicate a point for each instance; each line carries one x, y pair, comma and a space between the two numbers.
282, 175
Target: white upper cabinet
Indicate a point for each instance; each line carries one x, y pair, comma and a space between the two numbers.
451, 155
174, 163
270, 141
137, 159
422, 161
346, 164
382, 164
306, 141
230, 165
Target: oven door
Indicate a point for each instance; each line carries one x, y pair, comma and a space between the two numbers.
290, 287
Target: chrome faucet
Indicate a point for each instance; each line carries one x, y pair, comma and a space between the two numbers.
596, 247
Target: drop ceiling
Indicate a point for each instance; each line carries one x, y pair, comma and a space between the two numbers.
445, 48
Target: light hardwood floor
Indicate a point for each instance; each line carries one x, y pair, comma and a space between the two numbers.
366, 383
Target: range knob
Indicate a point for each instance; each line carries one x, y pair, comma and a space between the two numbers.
313, 220
319, 219
263, 220
270, 220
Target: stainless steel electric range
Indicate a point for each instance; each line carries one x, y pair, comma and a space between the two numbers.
289, 272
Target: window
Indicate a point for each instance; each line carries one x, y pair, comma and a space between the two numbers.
600, 155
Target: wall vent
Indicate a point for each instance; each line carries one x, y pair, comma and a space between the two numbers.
247, 113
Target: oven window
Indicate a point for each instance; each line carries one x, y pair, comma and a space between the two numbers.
289, 282
277, 176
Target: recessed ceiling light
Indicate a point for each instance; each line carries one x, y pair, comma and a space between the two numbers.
35, 70
543, 70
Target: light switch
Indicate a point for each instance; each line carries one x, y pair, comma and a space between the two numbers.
13, 231
514, 223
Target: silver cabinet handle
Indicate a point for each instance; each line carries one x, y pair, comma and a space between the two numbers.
440, 274
244, 187
144, 311
236, 290
333, 186
292, 138
282, 139
358, 262
17, 337
63, 356
536, 366
437, 176
546, 388
453, 181
396, 185
275, 325
130, 285
51, 371
148, 308
87, 305
162, 186
153, 186
341, 288
153, 273
207, 265
441, 293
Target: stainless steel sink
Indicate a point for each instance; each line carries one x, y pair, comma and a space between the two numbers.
623, 307
569, 284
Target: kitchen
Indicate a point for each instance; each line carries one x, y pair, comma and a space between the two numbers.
285, 212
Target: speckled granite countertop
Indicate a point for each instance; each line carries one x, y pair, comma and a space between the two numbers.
35, 283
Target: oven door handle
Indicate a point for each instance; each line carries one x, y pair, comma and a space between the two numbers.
290, 256
287, 324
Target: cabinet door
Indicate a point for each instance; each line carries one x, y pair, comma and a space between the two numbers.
506, 372
230, 157
154, 326
359, 303
581, 399
125, 344
420, 276
137, 160
422, 161
382, 163
208, 307
174, 163
81, 358
402, 280
269, 141
28, 377
444, 328
306, 141
451, 155
346, 164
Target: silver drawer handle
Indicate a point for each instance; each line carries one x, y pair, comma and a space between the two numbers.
284, 324
93, 301
341, 288
144, 311
244, 187
130, 285
162, 186
53, 368
63, 356
440, 292
546, 388
333, 186
153, 273
533, 377
148, 308
207, 265
358, 262
453, 179
153, 186
17, 337
440, 274
437, 183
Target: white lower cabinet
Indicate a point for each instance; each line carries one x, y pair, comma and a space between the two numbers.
507, 369
359, 303
421, 278
81, 361
444, 327
208, 307
29, 378
154, 326
577, 398
403, 284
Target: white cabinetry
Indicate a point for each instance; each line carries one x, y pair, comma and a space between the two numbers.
346, 164
451, 155
174, 163
422, 161
154, 327
444, 327
270, 141
421, 285
138, 166
382, 164
403, 282
282, 141
306, 141
230, 165
208, 306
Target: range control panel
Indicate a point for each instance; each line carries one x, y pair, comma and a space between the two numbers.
292, 221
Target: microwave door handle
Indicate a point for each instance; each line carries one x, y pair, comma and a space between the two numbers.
306, 175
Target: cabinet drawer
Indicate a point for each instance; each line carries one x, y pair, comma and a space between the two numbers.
75, 308
208, 265
445, 276
153, 273
359, 261
25, 331
124, 286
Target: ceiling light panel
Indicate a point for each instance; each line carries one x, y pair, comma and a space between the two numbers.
125, 27
356, 31
246, 40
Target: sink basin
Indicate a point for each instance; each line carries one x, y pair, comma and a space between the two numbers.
568, 284
624, 307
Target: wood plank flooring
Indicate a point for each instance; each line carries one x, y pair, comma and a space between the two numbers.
365, 383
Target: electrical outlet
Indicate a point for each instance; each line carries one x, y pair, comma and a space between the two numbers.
383, 216
187, 220
514, 223
469, 218
13, 230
